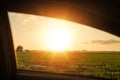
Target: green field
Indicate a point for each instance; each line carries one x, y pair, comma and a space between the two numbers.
102, 64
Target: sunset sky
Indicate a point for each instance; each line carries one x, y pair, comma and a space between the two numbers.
45, 33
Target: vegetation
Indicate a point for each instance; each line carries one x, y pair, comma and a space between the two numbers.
19, 49
102, 64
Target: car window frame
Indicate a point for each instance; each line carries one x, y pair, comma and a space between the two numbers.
8, 67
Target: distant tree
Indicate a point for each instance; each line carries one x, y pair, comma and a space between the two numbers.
19, 49
27, 50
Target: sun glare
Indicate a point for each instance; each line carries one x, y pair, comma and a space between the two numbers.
58, 38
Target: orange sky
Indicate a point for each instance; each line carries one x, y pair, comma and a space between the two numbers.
30, 32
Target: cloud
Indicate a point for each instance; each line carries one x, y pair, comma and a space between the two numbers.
103, 42
111, 41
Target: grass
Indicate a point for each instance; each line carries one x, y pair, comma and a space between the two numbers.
105, 65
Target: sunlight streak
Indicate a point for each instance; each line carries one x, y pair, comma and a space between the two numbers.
60, 55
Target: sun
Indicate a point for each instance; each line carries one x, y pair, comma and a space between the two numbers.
58, 39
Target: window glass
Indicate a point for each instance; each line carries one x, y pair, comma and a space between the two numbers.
59, 46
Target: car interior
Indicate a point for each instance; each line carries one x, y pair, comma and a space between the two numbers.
100, 14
